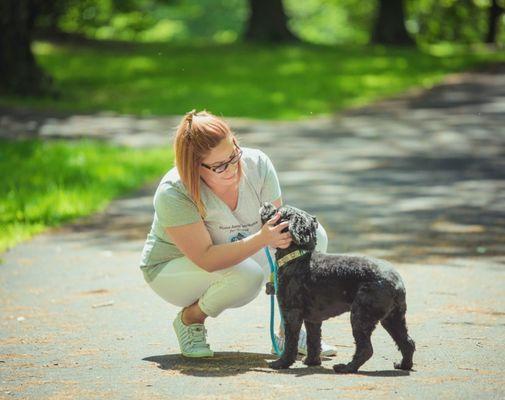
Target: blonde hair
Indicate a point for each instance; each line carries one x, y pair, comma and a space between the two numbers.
197, 134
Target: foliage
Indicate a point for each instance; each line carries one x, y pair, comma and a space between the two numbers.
217, 21
50, 182
331, 21
457, 21
315, 21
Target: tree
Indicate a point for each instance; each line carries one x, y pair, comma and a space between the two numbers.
19, 72
495, 12
389, 27
268, 22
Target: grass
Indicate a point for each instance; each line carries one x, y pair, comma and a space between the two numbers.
288, 82
47, 183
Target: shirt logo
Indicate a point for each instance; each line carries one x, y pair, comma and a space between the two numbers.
238, 236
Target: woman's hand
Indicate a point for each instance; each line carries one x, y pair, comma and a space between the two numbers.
272, 235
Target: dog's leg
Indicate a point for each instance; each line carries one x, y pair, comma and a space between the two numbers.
396, 325
293, 324
313, 343
363, 324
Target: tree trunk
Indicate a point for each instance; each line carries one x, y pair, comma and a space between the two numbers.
268, 23
389, 27
19, 72
495, 12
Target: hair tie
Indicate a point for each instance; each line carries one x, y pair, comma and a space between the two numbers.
191, 114
189, 117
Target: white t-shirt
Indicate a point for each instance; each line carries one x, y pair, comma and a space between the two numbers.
173, 206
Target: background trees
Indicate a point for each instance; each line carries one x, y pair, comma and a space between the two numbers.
330, 22
389, 26
267, 22
19, 72
495, 13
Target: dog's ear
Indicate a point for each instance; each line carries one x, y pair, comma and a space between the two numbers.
267, 211
315, 225
301, 229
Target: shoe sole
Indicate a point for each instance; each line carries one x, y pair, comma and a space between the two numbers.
197, 355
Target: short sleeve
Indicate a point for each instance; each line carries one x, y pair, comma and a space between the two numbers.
270, 189
174, 208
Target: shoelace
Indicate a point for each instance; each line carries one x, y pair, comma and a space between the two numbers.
197, 335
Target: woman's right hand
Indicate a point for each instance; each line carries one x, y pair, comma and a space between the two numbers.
272, 235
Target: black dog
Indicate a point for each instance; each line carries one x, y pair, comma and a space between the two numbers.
314, 286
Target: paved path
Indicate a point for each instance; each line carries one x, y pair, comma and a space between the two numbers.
418, 180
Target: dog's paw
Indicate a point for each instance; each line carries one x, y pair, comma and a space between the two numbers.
344, 369
404, 366
279, 364
312, 361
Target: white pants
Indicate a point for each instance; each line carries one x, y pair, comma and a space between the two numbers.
181, 282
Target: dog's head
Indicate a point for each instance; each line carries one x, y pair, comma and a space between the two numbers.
302, 225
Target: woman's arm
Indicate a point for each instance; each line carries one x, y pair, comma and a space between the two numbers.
195, 243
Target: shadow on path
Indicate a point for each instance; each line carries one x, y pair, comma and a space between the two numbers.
236, 363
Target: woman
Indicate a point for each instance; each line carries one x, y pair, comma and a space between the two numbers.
205, 248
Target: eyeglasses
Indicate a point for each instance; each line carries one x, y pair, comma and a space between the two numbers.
219, 169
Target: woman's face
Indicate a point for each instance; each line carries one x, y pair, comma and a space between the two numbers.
221, 153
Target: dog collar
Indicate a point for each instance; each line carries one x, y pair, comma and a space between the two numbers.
291, 256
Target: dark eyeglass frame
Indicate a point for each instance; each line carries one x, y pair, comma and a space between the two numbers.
219, 169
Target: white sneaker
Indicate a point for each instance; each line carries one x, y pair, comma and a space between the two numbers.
192, 338
326, 349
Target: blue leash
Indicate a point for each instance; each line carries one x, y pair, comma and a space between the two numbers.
273, 271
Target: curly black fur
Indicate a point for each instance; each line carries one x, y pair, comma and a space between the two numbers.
317, 286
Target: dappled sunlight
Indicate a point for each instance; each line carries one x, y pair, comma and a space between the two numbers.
277, 97
128, 80
396, 179
140, 65
420, 187
292, 68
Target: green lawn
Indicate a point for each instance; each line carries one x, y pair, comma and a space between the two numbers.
45, 183
290, 82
